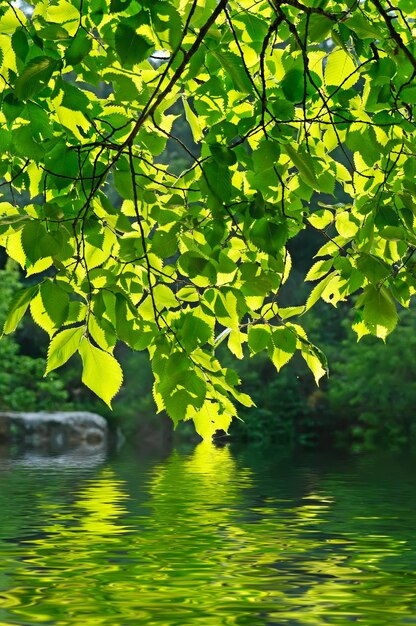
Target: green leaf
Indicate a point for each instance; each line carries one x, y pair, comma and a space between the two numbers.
408, 95
193, 121
293, 85
284, 342
119, 5
286, 313
319, 28
224, 155
217, 180
53, 32
80, 46
101, 371
74, 98
194, 331
321, 219
179, 386
18, 307
304, 164
40, 316
363, 27
229, 307
165, 242
13, 219
194, 265
11, 18
20, 44
256, 27
102, 332
56, 302
316, 362
166, 19
123, 183
318, 290
25, 144
62, 162
179, 402
265, 156
35, 77
234, 68
258, 338
282, 109
379, 309
373, 268
37, 243
340, 70
235, 343
211, 418
319, 269
268, 236
131, 47
63, 345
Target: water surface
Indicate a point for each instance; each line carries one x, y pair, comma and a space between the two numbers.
212, 536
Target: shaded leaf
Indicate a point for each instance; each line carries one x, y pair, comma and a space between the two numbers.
131, 47
268, 236
258, 338
35, 77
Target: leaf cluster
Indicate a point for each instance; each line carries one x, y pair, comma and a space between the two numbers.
287, 102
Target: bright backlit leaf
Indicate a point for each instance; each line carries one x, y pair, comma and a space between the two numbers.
63, 346
18, 307
101, 372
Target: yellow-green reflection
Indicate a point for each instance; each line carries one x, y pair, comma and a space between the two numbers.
206, 538
71, 553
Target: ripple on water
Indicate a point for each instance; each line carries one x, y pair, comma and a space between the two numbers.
211, 537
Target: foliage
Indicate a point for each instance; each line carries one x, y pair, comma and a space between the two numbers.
372, 392
282, 412
22, 385
286, 101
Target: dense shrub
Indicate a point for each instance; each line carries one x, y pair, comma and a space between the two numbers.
372, 389
22, 386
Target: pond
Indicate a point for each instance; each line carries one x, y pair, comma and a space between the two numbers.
207, 535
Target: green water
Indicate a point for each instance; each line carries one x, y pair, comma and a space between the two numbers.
210, 536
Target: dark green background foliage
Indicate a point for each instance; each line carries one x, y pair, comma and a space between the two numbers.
22, 385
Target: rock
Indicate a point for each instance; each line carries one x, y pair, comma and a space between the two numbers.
54, 431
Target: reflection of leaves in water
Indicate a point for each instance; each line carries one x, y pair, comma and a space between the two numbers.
221, 541
101, 501
74, 549
201, 481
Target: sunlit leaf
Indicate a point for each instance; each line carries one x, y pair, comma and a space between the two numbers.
340, 70
101, 372
63, 345
18, 307
210, 419
379, 308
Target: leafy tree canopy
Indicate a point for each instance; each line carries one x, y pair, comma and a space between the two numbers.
287, 101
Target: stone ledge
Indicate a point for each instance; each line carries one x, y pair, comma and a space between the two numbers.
57, 430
